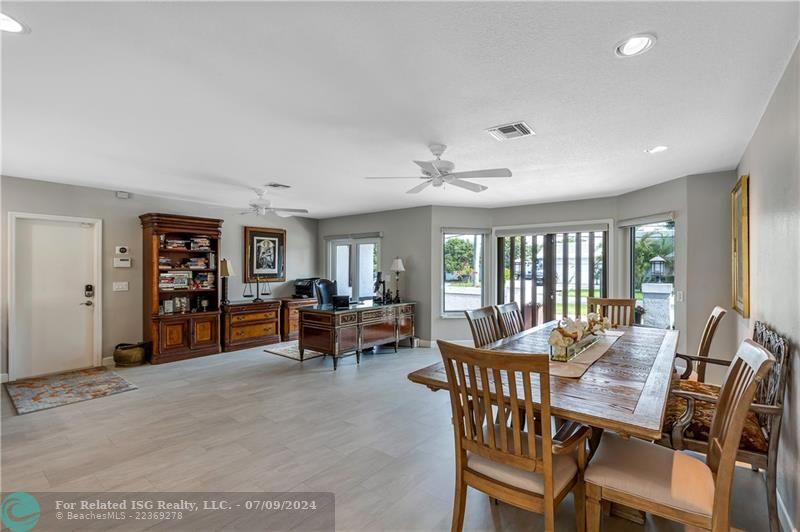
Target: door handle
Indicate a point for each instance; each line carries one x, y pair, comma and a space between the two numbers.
87, 303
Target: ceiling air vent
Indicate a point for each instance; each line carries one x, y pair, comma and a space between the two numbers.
514, 130
273, 184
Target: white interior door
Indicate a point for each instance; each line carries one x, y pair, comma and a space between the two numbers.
53, 319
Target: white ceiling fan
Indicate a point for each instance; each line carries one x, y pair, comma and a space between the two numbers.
261, 206
440, 172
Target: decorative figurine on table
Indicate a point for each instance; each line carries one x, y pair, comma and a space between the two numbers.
379, 288
388, 297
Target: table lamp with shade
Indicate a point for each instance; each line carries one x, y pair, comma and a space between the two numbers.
397, 267
225, 271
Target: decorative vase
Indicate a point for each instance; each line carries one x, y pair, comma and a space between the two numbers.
565, 354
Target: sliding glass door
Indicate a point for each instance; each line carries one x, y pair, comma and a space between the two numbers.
550, 275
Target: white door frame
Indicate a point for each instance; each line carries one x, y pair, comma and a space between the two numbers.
97, 225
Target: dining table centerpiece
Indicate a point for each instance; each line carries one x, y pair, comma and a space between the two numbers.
571, 337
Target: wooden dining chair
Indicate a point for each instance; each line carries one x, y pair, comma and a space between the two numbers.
510, 319
507, 463
484, 326
670, 483
696, 366
691, 407
620, 311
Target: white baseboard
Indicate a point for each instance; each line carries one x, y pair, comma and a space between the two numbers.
784, 517
108, 361
3, 377
424, 343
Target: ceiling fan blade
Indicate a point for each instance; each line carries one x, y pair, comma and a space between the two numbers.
299, 211
392, 177
420, 187
247, 212
490, 172
474, 187
428, 166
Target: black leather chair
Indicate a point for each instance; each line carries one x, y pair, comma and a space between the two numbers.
326, 289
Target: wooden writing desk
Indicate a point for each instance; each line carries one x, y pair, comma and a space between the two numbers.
339, 332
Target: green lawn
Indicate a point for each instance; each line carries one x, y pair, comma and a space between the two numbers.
462, 284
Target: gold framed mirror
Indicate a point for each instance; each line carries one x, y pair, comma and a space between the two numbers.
740, 247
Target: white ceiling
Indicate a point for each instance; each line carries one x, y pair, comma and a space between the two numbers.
199, 100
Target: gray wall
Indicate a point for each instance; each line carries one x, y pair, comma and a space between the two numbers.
122, 311
700, 204
708, 279
773, 163
406, 234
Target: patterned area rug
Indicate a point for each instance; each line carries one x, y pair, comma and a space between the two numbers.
41, 393
291, 350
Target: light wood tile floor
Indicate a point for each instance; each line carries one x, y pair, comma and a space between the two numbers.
251, 421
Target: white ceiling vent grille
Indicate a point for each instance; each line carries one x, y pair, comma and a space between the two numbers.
513, 130
273, 184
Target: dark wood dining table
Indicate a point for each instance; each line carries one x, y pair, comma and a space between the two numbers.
625, 391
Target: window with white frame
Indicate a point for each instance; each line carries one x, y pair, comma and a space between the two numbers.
463, 272
354, 264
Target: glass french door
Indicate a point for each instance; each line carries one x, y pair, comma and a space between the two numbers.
354, 266
551, 275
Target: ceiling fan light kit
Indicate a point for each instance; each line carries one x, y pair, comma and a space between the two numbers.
439, 172
261, 206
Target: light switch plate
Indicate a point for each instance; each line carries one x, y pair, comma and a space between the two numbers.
120, 286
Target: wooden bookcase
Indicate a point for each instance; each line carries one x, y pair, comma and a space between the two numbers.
194, 330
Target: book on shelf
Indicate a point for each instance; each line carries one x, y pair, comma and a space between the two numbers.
172, 243
196, 263
164, 263
174, 280
199, 243
204, 280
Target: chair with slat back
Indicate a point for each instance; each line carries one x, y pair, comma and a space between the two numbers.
703, 349
507, 463
510, 319
670, 483
621, 312
692, 404
483, 324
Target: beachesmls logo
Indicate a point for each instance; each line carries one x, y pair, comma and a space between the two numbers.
20, 511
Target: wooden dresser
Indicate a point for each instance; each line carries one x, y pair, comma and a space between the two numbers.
351, 330
249, 324
290, 316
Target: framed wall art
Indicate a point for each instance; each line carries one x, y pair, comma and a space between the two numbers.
264, 254
740, 247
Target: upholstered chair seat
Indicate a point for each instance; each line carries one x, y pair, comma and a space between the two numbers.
565, 466
753, 438
673, 478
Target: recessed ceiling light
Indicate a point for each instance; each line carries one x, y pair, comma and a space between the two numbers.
635, 45
9, 24
656, 149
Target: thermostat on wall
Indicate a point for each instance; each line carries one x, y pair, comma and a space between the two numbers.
122, 250
122, 262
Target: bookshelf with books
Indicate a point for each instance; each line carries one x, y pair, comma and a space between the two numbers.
181, 288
